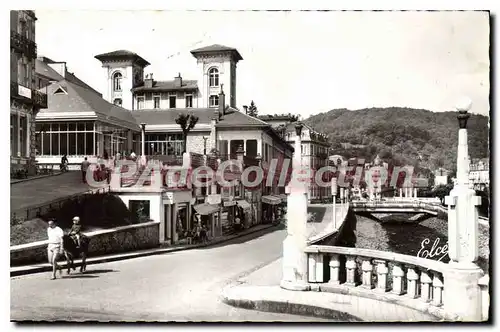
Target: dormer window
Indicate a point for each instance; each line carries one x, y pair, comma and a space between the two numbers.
117, 82
213, 77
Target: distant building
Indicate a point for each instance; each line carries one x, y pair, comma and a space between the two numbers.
315, 147
479, 172
25, 99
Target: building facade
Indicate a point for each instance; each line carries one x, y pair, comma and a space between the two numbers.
221, 130
25, 99
479, 172
78, 122
315, 148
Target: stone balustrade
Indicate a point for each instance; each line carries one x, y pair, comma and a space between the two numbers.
410, 281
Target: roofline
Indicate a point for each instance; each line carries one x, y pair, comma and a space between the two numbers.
134, 57
272, 132
233, 52
180, 88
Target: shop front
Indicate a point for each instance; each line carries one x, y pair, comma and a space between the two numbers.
177, 209
207, 215
270, 206
244, 212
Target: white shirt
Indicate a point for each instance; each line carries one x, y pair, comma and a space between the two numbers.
55, 235
132, 155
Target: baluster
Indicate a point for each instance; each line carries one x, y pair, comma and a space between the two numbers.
311, 268
437, 284
319, 268
412, 277
397, 279
350, 266
367, 269
426, 290
382, 271
334, 269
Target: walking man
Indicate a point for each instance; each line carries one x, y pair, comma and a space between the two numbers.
55, 247
85, 167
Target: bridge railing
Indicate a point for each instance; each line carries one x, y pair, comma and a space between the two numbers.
410, 281
364, 271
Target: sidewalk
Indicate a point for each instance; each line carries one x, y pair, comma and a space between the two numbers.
35, 177
28, 269
260, 291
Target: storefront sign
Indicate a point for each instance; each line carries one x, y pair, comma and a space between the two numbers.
24, 92
214, 199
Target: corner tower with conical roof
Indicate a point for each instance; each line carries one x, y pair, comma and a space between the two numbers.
216, 67
123, 70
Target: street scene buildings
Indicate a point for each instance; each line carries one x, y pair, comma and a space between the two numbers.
182, 198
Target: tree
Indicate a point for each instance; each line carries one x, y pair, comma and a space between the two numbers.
186, 122
252, 110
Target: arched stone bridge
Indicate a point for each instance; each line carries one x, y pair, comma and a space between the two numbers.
413, 211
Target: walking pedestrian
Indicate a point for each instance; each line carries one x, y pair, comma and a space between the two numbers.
55, 246
85, 167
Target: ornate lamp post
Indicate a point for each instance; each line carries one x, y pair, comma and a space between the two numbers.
294, 258
143, 139
462, 295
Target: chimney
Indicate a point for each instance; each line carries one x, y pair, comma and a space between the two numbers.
245, 107
178, 81
59, 67
148, 82
222, 101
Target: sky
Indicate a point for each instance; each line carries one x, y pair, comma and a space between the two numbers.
299, 62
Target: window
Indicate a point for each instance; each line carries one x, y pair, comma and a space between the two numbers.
140, 103
213, 75
214, 101
23, 132
251, 149
189, 100
13, 136
118, 102
23, 28
171, 101
117, 82
25, 75
163, 144
63, 144
156, 101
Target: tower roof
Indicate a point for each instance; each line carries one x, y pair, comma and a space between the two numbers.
217, 48
122, 55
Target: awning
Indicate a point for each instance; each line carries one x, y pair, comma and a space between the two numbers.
206, 209
243, 204
270, 199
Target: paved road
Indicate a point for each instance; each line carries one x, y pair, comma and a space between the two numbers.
182, 286
34, 192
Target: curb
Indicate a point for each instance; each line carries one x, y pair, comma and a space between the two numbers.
292, 308
34, 179
151, 252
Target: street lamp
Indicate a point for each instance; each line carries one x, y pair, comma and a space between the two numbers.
143, 139
463, 107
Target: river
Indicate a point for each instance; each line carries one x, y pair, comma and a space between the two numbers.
407, 238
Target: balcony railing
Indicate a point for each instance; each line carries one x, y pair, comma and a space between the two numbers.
32, 96
23, 45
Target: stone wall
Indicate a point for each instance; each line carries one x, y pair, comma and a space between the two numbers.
102, 242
